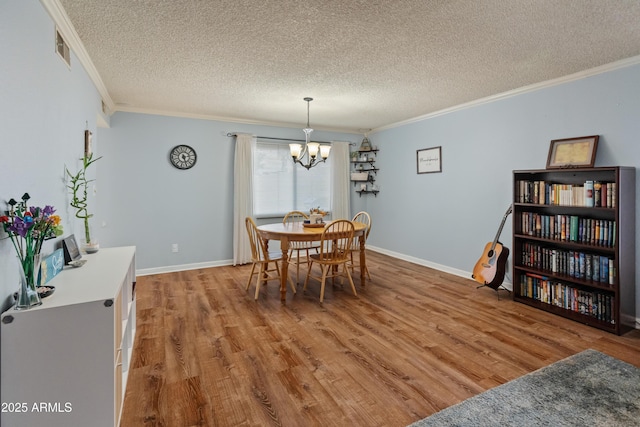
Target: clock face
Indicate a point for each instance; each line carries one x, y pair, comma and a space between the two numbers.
183, 157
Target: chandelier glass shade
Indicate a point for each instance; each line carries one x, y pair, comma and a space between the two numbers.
307, 155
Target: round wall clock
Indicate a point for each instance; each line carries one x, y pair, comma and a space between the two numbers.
183, 157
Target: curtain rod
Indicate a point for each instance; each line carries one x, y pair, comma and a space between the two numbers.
287, 139
280, 139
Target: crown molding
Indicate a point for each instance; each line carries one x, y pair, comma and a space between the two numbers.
130, 109
62, 21
635, 60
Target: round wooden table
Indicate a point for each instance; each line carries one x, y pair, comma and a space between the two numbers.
296, 232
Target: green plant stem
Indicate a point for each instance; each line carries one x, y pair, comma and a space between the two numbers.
87, 236
79, 184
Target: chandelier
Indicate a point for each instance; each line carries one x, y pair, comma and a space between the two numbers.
307, 156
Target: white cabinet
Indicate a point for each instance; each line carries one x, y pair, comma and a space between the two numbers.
65, 363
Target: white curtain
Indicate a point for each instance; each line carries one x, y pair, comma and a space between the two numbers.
340, 194
242, 196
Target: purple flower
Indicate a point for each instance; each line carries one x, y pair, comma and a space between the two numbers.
20, 226
48, 210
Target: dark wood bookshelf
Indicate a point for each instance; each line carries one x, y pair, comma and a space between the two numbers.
573, 252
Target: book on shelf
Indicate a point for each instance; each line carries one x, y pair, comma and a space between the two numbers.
569, 228
589, 194
594, 268
592, 303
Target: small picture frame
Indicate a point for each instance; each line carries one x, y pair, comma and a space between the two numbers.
71, 250
429, 160
87, 143
573, 152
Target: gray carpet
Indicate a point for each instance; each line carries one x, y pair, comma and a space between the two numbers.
586, 389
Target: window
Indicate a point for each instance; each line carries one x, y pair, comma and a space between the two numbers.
280, 186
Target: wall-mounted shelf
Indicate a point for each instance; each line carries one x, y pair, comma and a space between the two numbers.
370, 179
363, 171
374, 192
371, 169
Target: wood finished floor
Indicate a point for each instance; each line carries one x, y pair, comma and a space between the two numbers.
413, 342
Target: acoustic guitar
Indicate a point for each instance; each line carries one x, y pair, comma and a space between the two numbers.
490, 268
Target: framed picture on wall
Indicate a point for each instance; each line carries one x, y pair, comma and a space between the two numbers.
429, 160
573, 152
87, 143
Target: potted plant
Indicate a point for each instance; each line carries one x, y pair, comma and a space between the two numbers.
79, 189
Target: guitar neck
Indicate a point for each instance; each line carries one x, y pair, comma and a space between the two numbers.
504, 219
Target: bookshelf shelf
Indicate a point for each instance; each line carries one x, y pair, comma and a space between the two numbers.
574, 244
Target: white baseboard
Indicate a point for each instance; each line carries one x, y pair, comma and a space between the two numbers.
629, 321
414, 260
435, 266
182, 267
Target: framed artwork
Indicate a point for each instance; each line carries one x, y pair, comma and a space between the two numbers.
71, 251
573, 152
87, 143
429, 160
51, 266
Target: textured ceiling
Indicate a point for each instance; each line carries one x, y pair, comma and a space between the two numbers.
366, 63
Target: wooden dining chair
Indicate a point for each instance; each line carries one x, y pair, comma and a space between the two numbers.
261, 258
335, 245
298, 247
364, 218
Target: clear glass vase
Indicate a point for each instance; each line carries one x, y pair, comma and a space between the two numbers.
28, 273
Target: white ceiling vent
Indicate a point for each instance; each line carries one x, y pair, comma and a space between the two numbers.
63, 48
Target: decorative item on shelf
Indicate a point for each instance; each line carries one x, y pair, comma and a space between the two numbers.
310, 149
28, 228
365, 145
88, 136
79, 189
71, 251
573, 152
359, 176
50, 266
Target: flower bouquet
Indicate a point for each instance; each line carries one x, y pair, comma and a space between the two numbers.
28, 228
318, 211
316, 216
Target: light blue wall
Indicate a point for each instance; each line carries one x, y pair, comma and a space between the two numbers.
441, 219
44, 110
146, 202
453, 214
